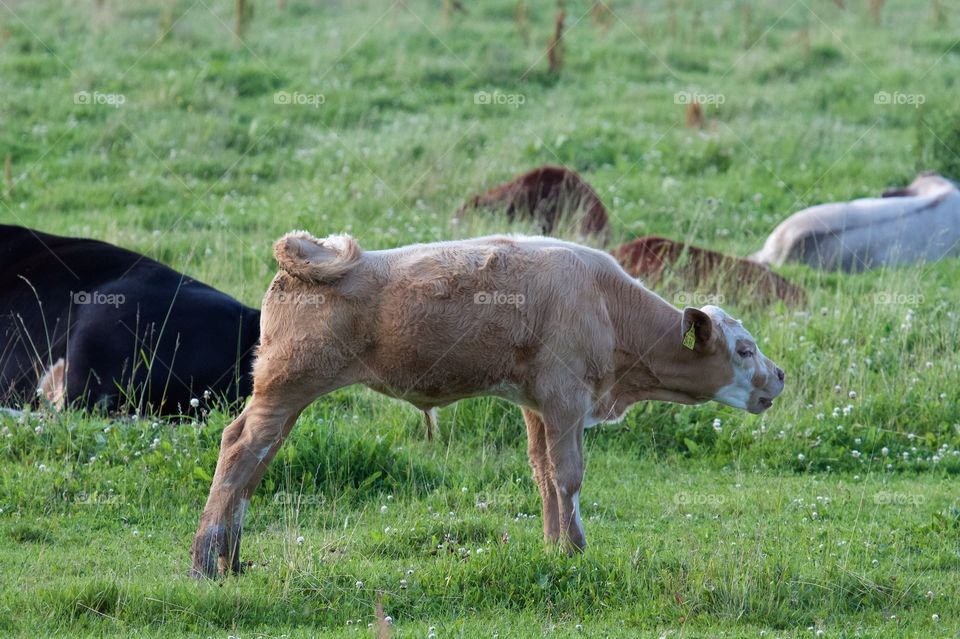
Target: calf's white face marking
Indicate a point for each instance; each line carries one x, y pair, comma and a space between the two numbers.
757, 381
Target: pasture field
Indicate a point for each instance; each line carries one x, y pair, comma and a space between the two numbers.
835, 514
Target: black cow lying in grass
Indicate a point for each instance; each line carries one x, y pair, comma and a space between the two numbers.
90, 324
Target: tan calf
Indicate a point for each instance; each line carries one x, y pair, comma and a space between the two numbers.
558, 328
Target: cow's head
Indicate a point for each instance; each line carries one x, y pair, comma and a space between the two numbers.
724, 363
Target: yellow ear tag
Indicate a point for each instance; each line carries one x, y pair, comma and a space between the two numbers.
690, 339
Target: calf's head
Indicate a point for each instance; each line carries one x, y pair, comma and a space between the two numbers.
720, 360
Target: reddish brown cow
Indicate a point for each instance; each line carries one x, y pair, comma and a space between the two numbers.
690, 267
550, 195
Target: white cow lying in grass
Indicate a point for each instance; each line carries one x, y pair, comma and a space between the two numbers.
919, 223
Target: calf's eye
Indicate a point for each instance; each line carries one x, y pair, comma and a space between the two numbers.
744, 353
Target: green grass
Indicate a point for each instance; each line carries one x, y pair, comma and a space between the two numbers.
829, 513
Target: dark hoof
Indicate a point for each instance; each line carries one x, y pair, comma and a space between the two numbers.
213, 553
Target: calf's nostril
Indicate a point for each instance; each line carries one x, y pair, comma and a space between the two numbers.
780, 374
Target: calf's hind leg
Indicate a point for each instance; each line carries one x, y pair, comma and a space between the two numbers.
542, 474
247, 447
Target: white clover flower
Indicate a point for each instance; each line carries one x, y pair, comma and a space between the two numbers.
194, 402
359, 585
801, 457
852, 394
300, 540
884, 451
855, 453
383, 509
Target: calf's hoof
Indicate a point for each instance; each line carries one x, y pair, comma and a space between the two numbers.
574, 543
212, 553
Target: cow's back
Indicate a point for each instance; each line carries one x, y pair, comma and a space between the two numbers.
868, 233
450, 319
109, 305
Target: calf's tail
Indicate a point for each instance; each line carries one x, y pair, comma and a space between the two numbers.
317, 261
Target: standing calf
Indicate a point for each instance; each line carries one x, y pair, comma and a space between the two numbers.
558, 328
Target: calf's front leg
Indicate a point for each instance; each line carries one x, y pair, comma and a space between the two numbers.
563, 430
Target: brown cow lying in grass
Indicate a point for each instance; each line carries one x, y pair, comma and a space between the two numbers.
689, 268
556, 198
558, 328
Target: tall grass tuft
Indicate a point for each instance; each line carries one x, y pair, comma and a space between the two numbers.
602, 16
555, 46
521, 17
243, 15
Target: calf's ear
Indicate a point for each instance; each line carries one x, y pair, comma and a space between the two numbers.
696, 330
